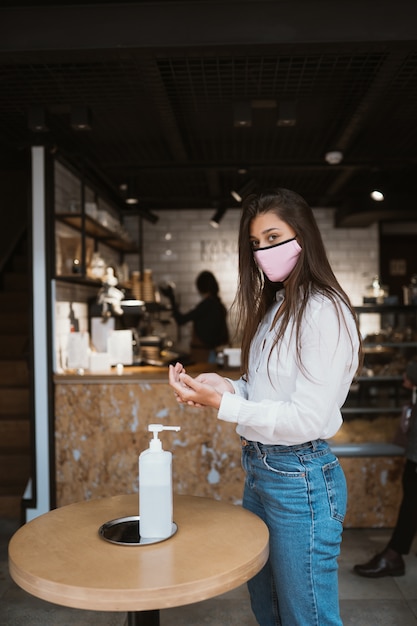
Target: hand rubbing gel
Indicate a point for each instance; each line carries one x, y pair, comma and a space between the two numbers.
155, 487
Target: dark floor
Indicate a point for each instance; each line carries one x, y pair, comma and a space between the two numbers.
364, 602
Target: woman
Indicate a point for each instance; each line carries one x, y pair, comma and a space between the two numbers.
209, 318
300, 351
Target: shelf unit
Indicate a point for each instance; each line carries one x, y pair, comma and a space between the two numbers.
374, 403
93, 228
385, 392
85, 222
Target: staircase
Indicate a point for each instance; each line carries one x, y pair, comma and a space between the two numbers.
15, 436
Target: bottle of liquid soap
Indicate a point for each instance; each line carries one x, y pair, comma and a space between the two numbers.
155, 487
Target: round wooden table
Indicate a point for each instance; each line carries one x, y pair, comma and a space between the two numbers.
61, 558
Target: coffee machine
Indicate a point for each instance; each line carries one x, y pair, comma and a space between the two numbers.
149, 322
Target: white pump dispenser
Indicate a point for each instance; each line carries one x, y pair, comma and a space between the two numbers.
155, 487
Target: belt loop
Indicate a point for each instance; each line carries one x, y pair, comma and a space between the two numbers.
258, 448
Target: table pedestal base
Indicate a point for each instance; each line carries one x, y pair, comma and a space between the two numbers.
143, 618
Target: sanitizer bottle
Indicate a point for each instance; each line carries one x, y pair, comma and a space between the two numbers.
155, 488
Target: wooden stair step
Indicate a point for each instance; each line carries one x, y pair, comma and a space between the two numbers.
15, 281
14, 401
19, 303
15, 395
14, 323
14, 434
11, 490
20, 263
14, 373
11, 507
13, 345
14, 470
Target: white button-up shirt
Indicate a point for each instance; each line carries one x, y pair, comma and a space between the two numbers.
284, 403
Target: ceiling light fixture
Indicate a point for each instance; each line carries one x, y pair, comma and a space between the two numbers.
378, 184
333, 157
377, 195
242, 115
131, 196
217, 217
287, 113
236, 195
81, 118
37, 119
243, 191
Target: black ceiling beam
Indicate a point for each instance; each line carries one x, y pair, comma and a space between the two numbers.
156, 87
362, 211
285, 164
196, 24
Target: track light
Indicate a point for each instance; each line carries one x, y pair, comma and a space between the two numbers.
378, 185
131, 196
286, 113
217, 217
81, 118
236, 195
239, 194
242, 115
37, 118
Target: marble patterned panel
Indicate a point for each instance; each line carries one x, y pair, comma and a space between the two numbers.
101, 429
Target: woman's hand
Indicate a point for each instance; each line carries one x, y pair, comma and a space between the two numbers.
218, 383
205, 390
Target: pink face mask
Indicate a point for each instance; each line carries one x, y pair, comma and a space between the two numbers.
277, 262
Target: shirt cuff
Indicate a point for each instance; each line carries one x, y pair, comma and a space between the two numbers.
229, 407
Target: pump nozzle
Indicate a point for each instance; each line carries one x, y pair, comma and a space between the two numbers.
157, 428
155, 443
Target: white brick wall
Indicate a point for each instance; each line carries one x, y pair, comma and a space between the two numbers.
182, 243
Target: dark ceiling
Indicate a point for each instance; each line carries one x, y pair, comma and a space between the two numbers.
164, 80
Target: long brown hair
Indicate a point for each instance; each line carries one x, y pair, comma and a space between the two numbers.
312, 274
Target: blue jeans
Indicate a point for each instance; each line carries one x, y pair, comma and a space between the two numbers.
300, 493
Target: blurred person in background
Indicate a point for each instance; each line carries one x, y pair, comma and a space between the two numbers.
209, 318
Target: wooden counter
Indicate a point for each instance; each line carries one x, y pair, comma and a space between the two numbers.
101, 428
136, 372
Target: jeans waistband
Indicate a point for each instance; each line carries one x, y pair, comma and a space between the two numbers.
312, 445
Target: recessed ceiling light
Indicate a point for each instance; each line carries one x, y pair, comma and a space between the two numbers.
334, 157
377, 195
